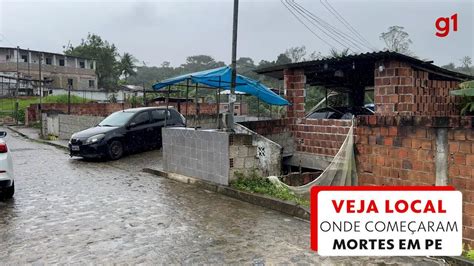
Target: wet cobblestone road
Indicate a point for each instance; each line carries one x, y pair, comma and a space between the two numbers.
71, 211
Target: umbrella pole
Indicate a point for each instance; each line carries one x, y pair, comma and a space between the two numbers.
167, 104
187, 102
258, 108
218, 99
196, 116
241, 104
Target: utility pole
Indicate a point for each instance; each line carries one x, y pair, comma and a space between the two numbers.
232, 97
40, 79
69, 100
17, 83
145, 100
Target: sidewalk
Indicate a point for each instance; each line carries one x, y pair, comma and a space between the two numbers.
34, 134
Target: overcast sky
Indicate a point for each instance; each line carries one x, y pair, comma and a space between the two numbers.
157, 31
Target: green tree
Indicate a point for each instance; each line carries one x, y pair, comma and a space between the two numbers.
296, 54
282, 59
450, 66
200, 62
466, 91
104, 53
397, 40
466, 63
338, 54
127, 65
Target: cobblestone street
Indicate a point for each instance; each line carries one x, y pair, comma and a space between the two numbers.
72, 211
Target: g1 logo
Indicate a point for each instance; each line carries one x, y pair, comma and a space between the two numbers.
442, 25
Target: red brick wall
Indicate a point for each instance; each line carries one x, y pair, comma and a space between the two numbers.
400, 89
461, 175
104, 109
204, 108
320, 136
317, 136
432, 97
401, 151
393, 88
294, 82
267, 127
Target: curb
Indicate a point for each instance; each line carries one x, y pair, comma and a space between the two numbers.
458, 261
286, 207
37, 140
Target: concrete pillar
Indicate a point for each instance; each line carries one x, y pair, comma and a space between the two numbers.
93, 64
15, 55
294, 83
85, 63
76, 63
65, 61
29, 57
441, 159
54, 60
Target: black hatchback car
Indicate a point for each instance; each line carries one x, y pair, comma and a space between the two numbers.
126, 131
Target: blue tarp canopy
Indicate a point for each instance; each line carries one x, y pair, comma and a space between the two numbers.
221, 77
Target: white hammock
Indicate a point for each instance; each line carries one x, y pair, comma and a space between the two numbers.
340, 172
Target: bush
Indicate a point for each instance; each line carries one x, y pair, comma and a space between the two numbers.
467, 93
21, 115
257, 184
63, 99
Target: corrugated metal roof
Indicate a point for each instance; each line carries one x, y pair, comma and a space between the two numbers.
277, 71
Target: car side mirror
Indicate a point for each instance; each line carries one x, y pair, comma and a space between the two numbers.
132, 125
3, 134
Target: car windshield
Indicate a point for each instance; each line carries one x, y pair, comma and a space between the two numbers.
116, 119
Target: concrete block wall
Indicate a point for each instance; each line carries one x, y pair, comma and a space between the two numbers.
69, 124
277, 131
243, 156
202, 154
267, 152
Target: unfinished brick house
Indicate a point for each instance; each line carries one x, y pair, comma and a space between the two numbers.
415, 136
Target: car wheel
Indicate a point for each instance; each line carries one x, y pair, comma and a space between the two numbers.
9, 191
115, 150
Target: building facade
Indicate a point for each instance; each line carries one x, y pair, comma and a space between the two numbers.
58, 71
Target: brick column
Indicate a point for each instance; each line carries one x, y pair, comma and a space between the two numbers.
294, 83
394, 88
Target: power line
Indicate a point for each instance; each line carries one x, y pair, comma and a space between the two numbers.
326, 29
6, 39
314, 33
332, 29
341, 19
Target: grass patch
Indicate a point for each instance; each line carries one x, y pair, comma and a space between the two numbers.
257, 184
7, 105
468, 253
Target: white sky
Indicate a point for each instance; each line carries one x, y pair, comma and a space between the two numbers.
157, 31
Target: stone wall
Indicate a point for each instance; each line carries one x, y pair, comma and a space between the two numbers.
267, 152
243, 157
202, 154
407, 151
